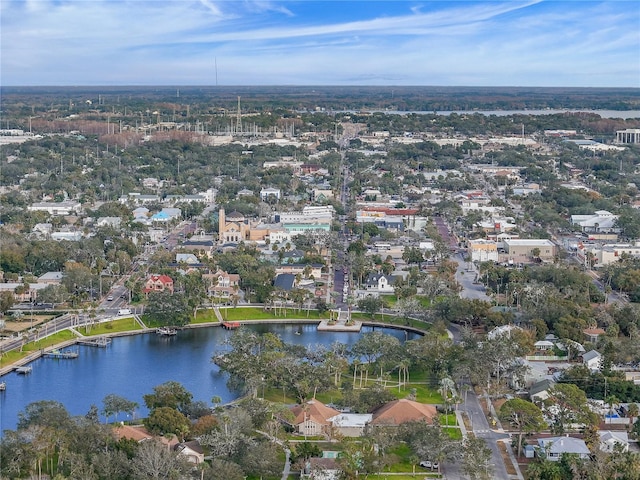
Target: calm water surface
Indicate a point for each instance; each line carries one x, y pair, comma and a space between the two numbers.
132, 366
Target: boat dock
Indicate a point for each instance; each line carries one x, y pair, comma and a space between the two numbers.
231, 325
95, 342
166, 331
61, 355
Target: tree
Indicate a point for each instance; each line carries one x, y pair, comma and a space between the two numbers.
632, 413
476, 458
114, 404
373, 345
163, 420
6, 301
154, 461
428, 441
370, 304
567, 404
44, 413
223, 470
168, 309
525, 416
169, 394
260, 459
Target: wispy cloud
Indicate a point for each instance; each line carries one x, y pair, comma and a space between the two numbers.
311, 42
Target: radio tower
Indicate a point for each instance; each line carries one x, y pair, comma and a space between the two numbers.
239, 119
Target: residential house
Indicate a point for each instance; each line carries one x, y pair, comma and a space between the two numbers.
592, 360
188, 258
539, 391
51, 278
113, 222
69, 236
265, 193
191, 451
351, 424
402, 411
593, 334
306, 270
312, 418
23, 292
553, 448
200, 245
137, 433
377, 283
222, 284
285, 282
543, 346
158, 283
166, 215
610, 440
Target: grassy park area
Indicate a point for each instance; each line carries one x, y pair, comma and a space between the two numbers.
7, 358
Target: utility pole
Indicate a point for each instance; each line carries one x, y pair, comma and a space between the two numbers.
239, 118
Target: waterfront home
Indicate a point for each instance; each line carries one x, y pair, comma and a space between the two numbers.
402, 411
158, 283
312, 418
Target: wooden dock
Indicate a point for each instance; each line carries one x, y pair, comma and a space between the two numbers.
231, 325
101, 342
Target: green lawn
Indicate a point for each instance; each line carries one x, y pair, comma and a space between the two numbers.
128, 324
7, 358
454, 433
424, 394
257, 313
448, 419
205, 316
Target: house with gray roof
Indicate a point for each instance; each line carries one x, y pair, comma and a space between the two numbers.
553, 448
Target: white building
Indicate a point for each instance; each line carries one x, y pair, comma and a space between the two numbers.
599, 222
265, 193
629, 135
68, 207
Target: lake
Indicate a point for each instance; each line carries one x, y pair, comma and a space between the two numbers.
131, 366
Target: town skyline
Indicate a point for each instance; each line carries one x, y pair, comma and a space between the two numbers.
533, 43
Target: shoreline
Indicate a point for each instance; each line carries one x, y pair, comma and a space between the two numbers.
293, 321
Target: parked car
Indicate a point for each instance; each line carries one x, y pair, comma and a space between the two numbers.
109, 298
425, 464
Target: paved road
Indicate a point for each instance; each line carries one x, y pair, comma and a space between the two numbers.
466, 276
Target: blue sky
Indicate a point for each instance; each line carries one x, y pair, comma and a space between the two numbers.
180, 42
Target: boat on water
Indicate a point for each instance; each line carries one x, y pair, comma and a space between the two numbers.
166, 331
3, 386
60, 354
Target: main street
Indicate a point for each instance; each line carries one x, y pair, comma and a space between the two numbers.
471, 289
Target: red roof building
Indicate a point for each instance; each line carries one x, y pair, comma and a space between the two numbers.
158, 283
